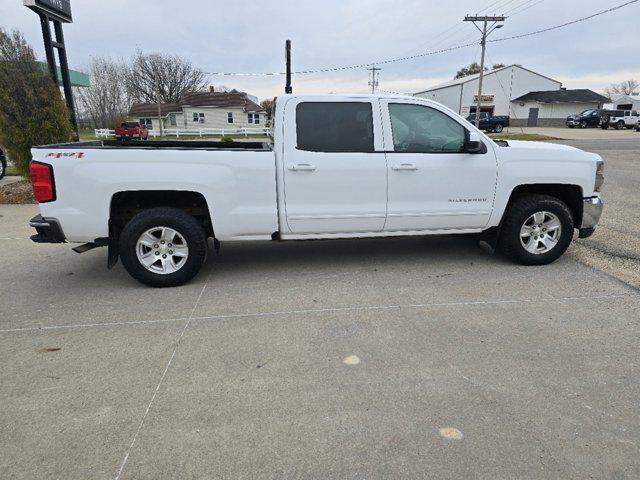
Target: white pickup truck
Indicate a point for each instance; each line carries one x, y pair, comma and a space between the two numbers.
340, 166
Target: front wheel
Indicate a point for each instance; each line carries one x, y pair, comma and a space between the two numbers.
163, 247
583, 124
537, 229
620, 125
3, 166
498, 128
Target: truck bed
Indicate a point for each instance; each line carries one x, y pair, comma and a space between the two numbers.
163, 144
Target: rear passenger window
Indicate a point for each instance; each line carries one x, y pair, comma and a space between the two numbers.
334, 126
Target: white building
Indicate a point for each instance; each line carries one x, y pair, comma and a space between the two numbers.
552, 107
197, 110
624, 102
499, 88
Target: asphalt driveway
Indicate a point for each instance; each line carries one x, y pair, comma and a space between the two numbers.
378, 358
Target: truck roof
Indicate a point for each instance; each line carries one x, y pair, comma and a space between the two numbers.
350, 95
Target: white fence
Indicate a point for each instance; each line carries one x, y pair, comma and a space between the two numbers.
193, 132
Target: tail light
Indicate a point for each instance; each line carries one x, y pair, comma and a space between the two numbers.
42, 181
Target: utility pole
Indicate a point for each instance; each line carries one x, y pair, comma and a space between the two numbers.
373, 83
486, 31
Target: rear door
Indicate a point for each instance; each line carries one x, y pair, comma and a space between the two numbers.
335, 171
433, 183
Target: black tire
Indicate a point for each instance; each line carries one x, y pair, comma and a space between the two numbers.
570, 126
184, 224
517, 214
605, 127
620, 125
498, 128
583, 124
3, 166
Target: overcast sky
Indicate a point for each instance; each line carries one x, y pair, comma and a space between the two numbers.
248, 36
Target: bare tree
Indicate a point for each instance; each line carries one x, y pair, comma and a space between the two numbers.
628, 87
155, 78
105, 102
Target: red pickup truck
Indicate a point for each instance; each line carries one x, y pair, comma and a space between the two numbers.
131, 130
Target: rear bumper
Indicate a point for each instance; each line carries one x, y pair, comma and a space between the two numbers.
591, 212
48, 230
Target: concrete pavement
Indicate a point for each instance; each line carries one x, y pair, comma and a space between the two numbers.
242, 373
9, 179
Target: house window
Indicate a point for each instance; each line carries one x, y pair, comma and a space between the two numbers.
172, 119
146, 123
198, 117
250, 118
230, 117
253, 118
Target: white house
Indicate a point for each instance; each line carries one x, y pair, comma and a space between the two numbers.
552, 107
197, 110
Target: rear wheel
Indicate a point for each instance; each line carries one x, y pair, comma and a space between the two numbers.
163, 247
537, 229
3, 165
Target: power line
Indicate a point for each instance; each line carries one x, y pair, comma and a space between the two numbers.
513, 14
573, 22
347, 67
433, 52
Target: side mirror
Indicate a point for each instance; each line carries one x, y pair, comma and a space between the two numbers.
473, 143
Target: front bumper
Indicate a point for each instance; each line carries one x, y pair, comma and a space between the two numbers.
591, 211
49, 230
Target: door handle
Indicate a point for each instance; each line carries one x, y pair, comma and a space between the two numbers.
405, 166
302, 167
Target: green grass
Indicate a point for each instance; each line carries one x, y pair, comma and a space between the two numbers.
11, 170
533, 137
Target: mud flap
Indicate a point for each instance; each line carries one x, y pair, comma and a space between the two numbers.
112, 251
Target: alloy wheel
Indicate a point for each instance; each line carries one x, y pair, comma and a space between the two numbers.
540, 232
162, 250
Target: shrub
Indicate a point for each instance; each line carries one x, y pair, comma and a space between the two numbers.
32, 111
226, 139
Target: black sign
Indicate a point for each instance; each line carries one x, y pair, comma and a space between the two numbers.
58, 9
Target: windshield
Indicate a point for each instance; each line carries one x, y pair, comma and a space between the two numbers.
587, 112
129, 124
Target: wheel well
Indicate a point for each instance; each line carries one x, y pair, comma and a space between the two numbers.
569, 194
126, 205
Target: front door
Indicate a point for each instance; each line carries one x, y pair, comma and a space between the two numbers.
532, 121
433, 183
335, 171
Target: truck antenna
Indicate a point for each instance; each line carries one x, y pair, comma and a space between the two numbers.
287, 54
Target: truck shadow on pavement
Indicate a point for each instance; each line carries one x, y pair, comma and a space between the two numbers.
348, 253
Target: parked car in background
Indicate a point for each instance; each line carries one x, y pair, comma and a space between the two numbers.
341, 166
588, 118
131, 131
620, 119
3, 164
489, 123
